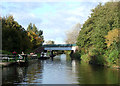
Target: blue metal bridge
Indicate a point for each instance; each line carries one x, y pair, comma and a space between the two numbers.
59, 47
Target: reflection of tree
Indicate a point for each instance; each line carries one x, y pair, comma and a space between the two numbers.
15, 74
34, 73
89, 74
10, 75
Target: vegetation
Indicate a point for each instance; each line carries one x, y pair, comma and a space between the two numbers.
50, 42
73, 34
75, 55
99, 38
16, 38
35, 36
5, 52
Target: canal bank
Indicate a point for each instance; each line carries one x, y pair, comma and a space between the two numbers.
96, 60
61, 70
20, 59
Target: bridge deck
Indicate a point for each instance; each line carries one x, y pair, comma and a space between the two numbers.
58, 48
59, 45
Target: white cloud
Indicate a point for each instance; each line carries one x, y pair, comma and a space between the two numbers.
60, 17
55, 25
54, 0
72, 19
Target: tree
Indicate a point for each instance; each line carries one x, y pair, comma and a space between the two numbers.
14, 36
29, 28
35, 36
34, 29
72, 34
40, 32
50, 42
103, 19
99, 32
113, 36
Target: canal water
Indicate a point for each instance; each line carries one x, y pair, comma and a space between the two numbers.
59, 71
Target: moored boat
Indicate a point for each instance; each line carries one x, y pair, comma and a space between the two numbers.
44, 56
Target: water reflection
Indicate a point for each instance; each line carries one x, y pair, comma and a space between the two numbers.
89, 74
57, 72
22, 75
61, 70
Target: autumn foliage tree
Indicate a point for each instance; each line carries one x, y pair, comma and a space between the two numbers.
16, 38
113, 46
35, 36
113, 36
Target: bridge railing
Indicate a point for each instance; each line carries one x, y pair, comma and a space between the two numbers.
59, 45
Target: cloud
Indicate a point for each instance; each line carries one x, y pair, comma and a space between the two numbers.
66, 15
54, 18
54, 0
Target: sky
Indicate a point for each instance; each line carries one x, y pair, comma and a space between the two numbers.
54, 17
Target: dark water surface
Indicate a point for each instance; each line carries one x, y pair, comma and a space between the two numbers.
59, 71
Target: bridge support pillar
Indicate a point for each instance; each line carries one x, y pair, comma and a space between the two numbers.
51, 53
72, 51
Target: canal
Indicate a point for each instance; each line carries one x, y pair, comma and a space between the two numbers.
59, 71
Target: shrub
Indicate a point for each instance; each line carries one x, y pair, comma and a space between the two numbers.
113, 56
5, 52
96, 56
85, 58
76, 55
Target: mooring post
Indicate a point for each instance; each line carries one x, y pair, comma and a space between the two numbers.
71, 54
26, 58
15, 58
51, 54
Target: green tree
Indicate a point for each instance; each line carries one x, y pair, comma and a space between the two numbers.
35, 36
40, 32
50, 42
34, 29
29, 28
14, 36
103, 19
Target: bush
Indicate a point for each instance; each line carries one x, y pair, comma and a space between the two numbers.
93, 52
96, 56
113, 56
85, 58
76, 55
5, 52
67, 52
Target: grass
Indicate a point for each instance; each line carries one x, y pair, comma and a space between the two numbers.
5, 52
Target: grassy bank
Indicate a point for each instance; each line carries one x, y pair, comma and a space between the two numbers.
101, 60
5, 52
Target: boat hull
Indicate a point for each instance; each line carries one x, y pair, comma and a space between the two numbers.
43, 58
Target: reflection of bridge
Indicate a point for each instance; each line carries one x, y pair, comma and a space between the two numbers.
52, 47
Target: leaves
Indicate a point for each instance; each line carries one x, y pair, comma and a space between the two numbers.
50, 42
14, 36
35, 36
113, 36
100, 31
103, 19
